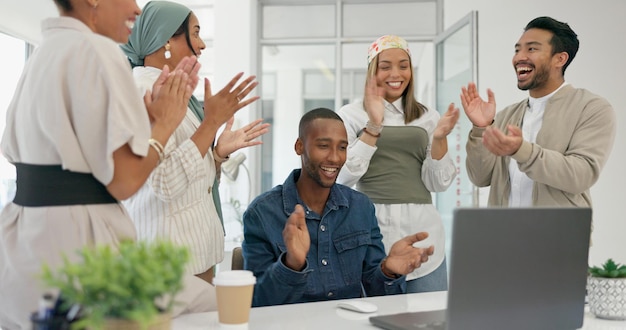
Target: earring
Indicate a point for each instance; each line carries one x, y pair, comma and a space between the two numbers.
167, 54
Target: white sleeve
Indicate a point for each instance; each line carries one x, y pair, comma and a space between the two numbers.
108, 111
182, 166
357, 162
438, 175
359, 153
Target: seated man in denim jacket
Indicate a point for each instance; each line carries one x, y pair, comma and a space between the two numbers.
312, 239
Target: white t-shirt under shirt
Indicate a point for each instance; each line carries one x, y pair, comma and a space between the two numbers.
399, 220
521, 194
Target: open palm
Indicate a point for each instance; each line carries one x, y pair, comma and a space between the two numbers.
374, 101
231, 141
479, 112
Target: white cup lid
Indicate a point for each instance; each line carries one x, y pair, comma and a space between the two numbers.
234, 278
243, 326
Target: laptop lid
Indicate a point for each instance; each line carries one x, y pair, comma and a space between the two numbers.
513, 268
518, 268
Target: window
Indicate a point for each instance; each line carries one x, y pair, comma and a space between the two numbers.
14, 54
304, 76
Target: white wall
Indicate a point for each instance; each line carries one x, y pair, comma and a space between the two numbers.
21, 19
234, 52
288, 109
599, 67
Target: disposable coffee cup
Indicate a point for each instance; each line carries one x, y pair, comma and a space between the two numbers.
234, 297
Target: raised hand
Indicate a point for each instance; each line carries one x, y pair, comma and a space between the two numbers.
167, 107
479, 112
191, 66
231, 141
297, 239
501, 144
373, 101
188, 65
222, 106
446, 122
403, 258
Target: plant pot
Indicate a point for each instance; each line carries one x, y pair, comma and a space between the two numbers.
160, 322
607, 297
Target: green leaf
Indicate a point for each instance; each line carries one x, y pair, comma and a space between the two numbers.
121, 282
609, 269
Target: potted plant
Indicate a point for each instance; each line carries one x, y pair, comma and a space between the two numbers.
133, 284
606, 290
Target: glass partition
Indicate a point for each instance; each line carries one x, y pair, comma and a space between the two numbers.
13, 54
456, 66
316, 53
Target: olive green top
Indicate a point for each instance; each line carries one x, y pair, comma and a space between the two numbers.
394, 172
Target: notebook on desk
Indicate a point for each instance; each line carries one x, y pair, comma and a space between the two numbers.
511, 268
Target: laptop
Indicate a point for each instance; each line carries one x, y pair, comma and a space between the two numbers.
511, 268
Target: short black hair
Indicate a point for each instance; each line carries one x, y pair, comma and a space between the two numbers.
564, 39
184, 29
315, 114
64, 4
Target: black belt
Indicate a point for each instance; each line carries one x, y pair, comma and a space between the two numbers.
51, 185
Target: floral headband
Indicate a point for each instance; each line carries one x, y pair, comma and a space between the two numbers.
386, 42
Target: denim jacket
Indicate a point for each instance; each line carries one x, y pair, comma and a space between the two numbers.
343, 260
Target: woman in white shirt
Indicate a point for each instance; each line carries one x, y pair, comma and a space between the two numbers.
399, 166
178, 201
81, 139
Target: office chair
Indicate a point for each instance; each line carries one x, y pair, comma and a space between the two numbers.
237, 260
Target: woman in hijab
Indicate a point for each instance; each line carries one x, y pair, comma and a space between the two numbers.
180, 201
81, 139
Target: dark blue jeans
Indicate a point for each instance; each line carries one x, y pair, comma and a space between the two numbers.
435, 281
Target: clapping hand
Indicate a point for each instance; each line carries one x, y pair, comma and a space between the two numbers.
188, 65
501, 144
446, 122
404, 258
191, 67
297, 239
222, 106
479, 112
231, 141
373, 101
167, 102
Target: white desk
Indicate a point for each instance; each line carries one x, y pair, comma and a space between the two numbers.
325, 315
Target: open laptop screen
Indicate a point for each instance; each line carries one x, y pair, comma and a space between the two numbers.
516, 268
